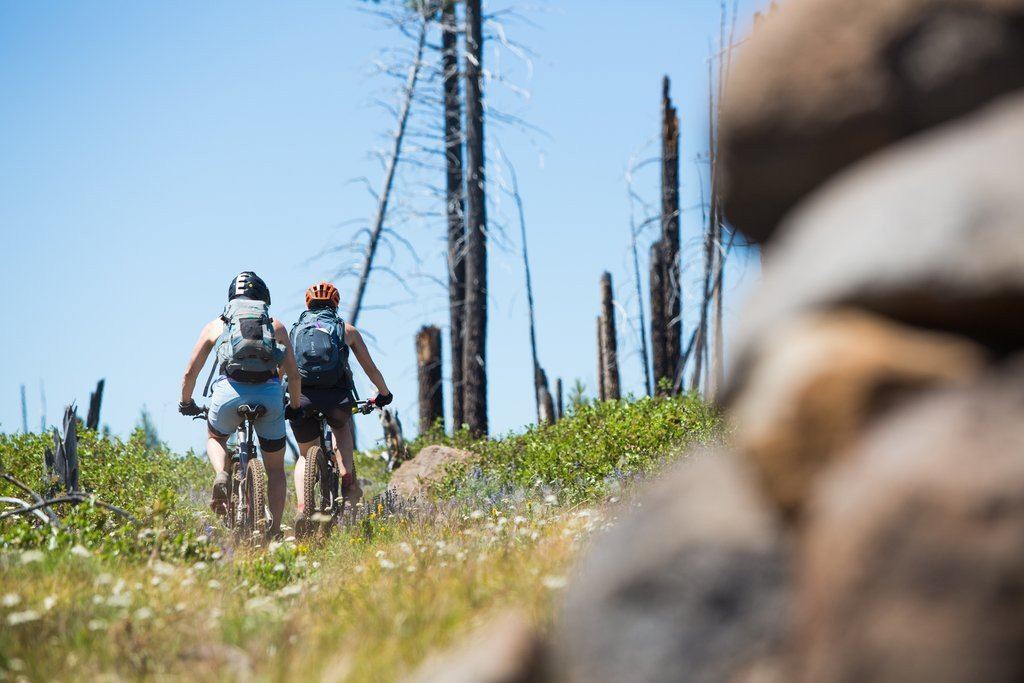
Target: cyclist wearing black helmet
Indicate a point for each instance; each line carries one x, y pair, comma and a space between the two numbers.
252, 351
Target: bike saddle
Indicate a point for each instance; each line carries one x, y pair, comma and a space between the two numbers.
252, 409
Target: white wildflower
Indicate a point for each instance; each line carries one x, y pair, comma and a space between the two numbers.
142, 614
80, 551
97, 625
199, 566
553, 582
290, 589
15, 618
10, 600
476, 514
48, 602
120, 600
104, 579
213, 584
30, 556
279, 567
385, 563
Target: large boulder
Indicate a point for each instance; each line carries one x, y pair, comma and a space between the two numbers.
690, 586
822, 381
822, 83
415, 476
929, 233
912, 566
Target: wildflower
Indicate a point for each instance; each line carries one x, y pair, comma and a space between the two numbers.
279, 567
290, 589
155, 581
179, 607
48, 602
519, 519
120, 600
15, 618
386, 563
163, 568
359, 569
30, 556
274, 545
213, 584
10, 600
142, 613
316, 565
550, 499
553, 582
199, 566
80, 551
96, 625
410, 568
476, 514
104, 579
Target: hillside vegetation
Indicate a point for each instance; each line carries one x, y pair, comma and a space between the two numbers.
176, 597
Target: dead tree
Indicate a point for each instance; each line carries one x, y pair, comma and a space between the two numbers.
398, 451
546, 404
455, 205
92, 419
659, 357
24, 412
609, 345
672, 281
474, 369
600, 360
428, 365
559, 405
393, 158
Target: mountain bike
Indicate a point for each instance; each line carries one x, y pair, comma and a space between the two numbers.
321, 478
246, 511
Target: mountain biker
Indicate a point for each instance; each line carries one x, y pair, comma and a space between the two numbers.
322, 340
252, 350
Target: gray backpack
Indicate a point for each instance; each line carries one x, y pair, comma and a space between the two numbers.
247, 351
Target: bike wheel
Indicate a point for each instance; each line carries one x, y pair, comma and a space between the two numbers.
254, 487
311, 482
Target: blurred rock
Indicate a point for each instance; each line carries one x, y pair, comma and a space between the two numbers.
414, 477
930, 233
505, 650
822, 380
913, 564
691, 586
822, 83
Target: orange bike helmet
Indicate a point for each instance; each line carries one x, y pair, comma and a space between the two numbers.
323, 292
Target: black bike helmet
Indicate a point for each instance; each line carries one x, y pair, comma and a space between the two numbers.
249, 285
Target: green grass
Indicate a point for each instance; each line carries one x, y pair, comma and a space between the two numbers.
172, 598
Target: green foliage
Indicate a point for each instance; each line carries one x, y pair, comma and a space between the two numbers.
150, 482
595, 444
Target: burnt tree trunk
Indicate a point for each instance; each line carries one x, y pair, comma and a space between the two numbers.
659, 360
92, 419
455, 204
474, 368
559, 405
672, 282
609, 345
600, 361
428, 371
546, 410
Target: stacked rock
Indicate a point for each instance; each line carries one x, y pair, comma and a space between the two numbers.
875, 148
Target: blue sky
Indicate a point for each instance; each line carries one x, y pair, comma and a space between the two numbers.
150, 151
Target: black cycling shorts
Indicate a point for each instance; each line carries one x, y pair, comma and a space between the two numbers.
335, 404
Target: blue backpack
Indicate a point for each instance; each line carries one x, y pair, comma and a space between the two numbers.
318, 339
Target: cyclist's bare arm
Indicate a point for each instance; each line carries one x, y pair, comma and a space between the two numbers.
354, 341
288, 365
207, 338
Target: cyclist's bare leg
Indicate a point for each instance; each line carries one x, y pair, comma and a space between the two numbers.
344, 448
277, 486
217, 451
300, 472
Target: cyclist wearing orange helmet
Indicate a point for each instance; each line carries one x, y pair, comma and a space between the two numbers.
322, 342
